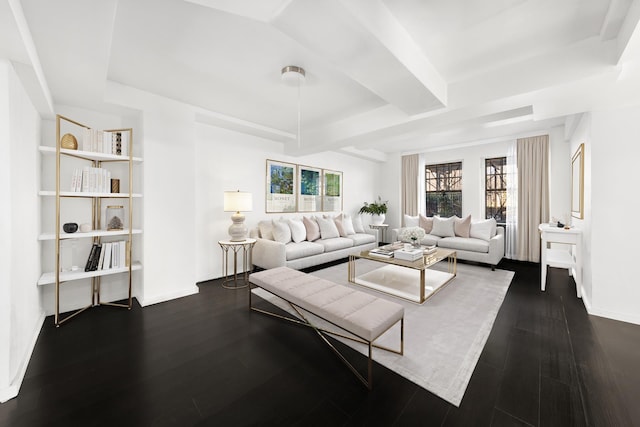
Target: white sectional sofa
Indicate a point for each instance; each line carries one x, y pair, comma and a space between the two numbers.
305, 242
479, 241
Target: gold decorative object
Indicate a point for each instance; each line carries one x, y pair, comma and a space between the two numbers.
115, 185
69, 142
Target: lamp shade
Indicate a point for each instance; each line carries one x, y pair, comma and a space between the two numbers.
237, 201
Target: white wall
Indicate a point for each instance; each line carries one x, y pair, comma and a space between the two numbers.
582, 135
614, 203
226, 160
21, 314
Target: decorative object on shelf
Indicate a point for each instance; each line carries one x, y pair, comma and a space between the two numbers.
238, 201
294, 75
413, 235
377, 210
70, 227
115, 218
69, 142
86, 227
115, 185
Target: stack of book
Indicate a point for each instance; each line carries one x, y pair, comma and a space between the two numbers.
430, 250
105, 256
381, 253
107, 142
409, 254
393, 246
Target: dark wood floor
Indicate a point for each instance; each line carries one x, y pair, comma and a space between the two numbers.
207, 360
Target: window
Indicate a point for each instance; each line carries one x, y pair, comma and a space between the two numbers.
496, 189
443, 183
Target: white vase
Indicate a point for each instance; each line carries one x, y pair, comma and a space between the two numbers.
377, 219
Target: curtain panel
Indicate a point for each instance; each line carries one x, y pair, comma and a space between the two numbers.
533, 194
410, 177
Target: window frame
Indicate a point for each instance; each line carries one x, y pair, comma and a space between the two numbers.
454, 204
497, 188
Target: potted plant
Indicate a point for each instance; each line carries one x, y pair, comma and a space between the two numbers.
377, 210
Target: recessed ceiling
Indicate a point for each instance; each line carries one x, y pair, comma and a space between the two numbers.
386, 74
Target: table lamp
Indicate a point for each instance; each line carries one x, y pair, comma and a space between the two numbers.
237, 201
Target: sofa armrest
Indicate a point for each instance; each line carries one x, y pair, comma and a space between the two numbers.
496, 245
268, 254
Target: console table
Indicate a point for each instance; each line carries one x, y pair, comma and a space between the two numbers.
561, 258
246, 246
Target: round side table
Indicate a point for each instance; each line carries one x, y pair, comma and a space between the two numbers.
246, 246
380, 231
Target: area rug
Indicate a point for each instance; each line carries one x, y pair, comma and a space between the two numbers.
444, 336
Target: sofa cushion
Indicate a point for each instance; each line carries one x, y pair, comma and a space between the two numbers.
338, 222
443, 227
335, 243
298, 231
281, 231
484, 230
357, 224
411, 221
266, 229
430, 240
426, 223
362, 238
464, 244
461, 226
301, 250
328, 229
312, 228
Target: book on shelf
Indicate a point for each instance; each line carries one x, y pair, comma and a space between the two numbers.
106, 142
94, 257
91, 180
108, 249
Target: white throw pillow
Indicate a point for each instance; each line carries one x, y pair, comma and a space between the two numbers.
266, 229
484, 230
347, 224
281, 231
298, 231
411, 221
443, 227
328, 229
357, 224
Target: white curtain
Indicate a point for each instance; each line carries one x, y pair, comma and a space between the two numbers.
410, 177
511, 231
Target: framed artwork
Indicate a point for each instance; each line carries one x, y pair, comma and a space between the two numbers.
332, 194
281, 187
577, 183
309, 189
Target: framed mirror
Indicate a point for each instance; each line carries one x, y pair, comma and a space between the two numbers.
577, 183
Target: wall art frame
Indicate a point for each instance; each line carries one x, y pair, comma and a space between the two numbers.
282, 184
577, 183
332, 191
309, 189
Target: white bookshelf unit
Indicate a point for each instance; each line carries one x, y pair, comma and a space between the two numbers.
93, 151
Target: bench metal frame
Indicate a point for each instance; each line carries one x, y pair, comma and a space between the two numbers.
302, 320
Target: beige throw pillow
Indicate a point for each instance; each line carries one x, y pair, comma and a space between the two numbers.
266, 229
461, 226
281, 231
411, 221
426, 223
328, 229
312, 228
357, 224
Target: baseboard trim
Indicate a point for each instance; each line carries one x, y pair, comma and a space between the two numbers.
613, 315
13, 389
157, 299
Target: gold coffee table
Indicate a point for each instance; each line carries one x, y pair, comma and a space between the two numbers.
409, 280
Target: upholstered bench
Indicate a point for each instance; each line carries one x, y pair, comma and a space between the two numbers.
365, 317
